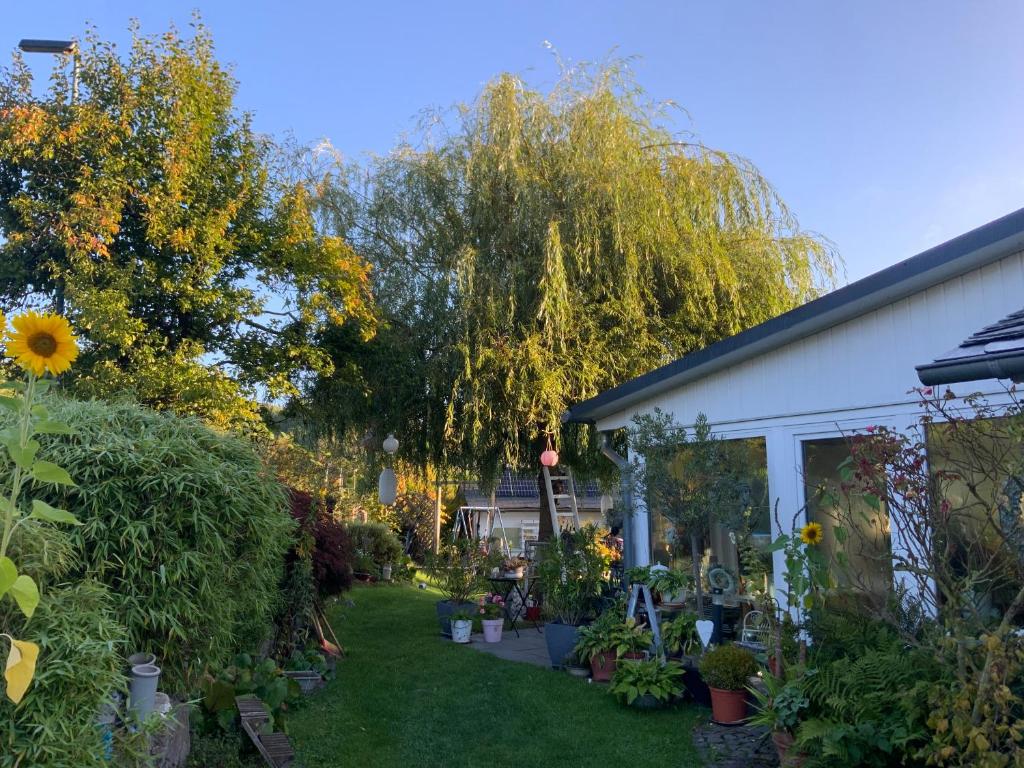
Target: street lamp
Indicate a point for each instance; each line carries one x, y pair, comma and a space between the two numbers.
58, 48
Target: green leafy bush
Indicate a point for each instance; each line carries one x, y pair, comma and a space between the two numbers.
263, 679
679, 635
376, 543
728, 667
180, 521
633, 679
80, 641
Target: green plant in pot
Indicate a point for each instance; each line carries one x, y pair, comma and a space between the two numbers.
609, 639
727, 670
781, 707
671, 585
459, 571
647, 684
461, 626
571, 574
679, 635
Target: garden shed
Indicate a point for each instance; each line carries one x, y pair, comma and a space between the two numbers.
792, 387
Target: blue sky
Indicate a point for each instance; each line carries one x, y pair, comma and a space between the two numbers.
888, 127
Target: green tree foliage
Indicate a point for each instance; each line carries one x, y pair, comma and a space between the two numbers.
695, 480
182, 523
173, 236
542, 247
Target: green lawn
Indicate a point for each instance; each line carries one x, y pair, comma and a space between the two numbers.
406, 698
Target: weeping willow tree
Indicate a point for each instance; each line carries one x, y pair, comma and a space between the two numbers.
539, 248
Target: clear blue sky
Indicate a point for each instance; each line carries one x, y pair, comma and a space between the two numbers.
887, 126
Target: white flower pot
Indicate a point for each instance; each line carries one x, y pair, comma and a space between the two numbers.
461, 630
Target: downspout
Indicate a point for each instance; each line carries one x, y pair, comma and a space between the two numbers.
630, 555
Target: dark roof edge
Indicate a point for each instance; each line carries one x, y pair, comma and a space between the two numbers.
955, 257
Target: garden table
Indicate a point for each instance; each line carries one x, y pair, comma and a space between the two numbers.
505, 586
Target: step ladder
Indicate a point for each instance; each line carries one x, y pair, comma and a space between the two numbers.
636, 591
467, 523
565, 512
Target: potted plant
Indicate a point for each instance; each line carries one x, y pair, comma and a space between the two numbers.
307, 668
514, 567
780, 707
679, 635
492, 617
461, 626
671, 585
727, 670
459, 573
571, 573
593, 646
647, 684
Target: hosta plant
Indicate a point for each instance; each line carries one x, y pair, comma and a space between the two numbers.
656, 678
39, 344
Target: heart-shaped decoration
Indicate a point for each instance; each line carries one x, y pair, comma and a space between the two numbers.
705, 628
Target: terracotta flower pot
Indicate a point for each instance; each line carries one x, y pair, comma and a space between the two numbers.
788, 757
728, 707
602, 666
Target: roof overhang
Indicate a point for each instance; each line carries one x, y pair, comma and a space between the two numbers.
958, 256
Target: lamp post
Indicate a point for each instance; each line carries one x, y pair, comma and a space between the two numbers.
56, 48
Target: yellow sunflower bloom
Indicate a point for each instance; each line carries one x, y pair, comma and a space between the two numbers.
40, 343
812, 533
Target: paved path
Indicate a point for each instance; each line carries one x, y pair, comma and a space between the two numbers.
528, 648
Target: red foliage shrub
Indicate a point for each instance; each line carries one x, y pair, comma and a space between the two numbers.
332, 551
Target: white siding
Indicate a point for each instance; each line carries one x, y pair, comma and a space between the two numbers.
863, 364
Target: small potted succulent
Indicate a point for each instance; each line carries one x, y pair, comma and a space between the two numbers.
491, 610
780, 707
462, 626
727, 671
647, 684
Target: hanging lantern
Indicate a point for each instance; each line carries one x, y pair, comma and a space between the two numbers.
387, 487
390, 445
549, 458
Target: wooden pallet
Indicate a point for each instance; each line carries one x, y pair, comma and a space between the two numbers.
275, 748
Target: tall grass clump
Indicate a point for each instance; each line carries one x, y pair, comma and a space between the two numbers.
181, 522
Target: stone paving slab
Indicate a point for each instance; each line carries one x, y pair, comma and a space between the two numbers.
528, 648
737, 746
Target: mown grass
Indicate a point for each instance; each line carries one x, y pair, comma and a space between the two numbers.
406, 698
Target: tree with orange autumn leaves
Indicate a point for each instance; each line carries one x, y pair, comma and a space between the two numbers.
151, 214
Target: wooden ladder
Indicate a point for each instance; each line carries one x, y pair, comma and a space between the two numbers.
275, 748
562, 518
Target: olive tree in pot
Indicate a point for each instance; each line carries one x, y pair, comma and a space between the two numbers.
571, 573
459, 572
694, 479
727, 671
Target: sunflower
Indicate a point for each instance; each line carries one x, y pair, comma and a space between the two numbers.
812, 533
40, 343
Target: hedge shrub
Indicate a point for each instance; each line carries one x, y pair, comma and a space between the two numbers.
375, 546
182, 523
332, 551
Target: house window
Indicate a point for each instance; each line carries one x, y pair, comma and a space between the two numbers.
743, 554
973, 473
866, 561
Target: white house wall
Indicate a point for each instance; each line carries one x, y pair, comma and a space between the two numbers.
852, 375
864, 363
